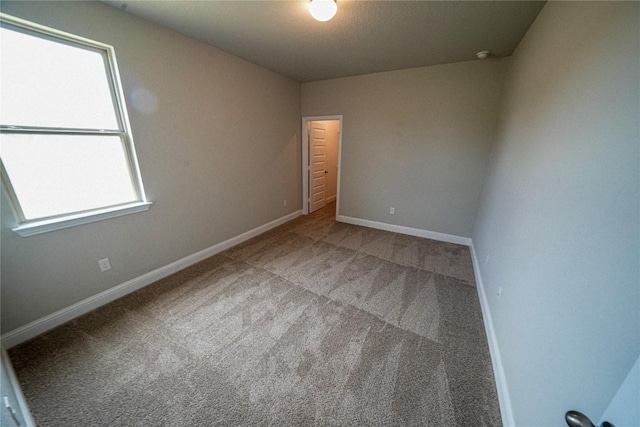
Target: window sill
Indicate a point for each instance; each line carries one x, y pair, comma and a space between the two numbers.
39, 227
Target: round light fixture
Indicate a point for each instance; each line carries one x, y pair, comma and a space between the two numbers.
323, 10
483, 54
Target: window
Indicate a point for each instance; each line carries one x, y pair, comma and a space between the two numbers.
65, 142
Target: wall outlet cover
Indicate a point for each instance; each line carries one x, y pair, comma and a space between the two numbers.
104, 264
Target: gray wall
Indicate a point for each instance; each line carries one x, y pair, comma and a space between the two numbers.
415, 139
559, 213
219, 153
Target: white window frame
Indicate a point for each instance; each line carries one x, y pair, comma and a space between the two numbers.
27, 227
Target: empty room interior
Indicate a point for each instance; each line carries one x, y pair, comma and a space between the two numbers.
414, 213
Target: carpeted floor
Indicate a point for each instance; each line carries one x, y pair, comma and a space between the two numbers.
313, 323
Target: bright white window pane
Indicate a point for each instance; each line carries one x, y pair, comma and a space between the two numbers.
52, 84
59, 174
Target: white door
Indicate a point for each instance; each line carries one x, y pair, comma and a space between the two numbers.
318, 166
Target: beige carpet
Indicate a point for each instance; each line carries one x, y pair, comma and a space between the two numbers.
313, 323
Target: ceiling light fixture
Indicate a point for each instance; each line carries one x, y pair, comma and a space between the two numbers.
483, 54
323, 10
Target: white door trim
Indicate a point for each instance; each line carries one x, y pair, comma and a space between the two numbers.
305, 160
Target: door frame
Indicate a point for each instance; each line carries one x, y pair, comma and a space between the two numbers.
305, 159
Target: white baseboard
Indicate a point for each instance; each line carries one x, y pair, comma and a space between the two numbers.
46, 323
450, 238
504, 397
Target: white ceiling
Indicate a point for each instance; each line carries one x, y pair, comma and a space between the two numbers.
364, 37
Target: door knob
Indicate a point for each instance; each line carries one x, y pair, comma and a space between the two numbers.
326, 171
578, 419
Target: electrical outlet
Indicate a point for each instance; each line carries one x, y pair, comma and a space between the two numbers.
284, 203
499, 293
104, 264
392, 210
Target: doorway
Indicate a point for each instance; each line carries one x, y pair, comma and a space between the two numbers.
321, 147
